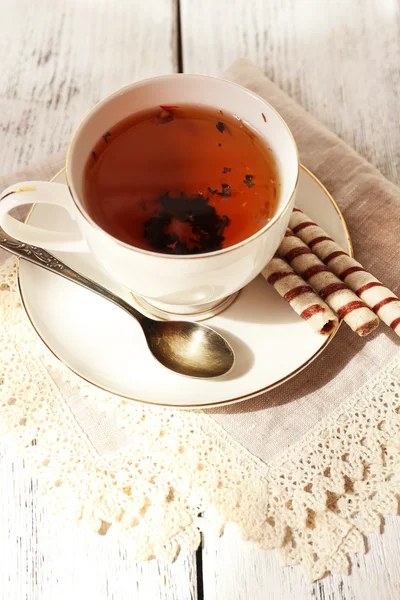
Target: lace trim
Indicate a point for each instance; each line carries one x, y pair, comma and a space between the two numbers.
314, 502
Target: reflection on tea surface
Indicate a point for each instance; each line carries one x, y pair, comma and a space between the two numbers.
182, 179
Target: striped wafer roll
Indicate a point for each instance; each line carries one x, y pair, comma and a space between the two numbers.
336, 293
379, 298
301, 297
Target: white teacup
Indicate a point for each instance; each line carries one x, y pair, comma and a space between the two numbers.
186, 284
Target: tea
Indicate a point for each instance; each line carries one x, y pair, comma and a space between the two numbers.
182, 179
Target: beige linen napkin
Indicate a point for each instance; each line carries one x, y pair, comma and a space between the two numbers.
268, 424
371, 206
271, 422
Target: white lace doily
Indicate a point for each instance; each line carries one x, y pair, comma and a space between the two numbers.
151, 473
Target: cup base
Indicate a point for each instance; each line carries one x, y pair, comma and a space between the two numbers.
201, 312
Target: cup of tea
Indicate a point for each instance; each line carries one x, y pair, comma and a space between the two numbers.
181, 186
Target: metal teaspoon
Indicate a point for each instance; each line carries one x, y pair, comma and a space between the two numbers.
187, 348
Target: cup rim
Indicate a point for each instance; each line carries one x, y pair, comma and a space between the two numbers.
203, 255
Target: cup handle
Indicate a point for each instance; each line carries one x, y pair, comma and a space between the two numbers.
39, 192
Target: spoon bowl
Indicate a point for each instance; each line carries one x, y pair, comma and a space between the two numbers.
189, 348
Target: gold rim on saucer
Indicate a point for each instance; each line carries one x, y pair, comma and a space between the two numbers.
213, 404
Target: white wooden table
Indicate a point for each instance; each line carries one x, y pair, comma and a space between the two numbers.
339, 59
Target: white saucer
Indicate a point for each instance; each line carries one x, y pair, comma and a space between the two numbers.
105, 346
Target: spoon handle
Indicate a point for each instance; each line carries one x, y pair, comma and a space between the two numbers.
42, 258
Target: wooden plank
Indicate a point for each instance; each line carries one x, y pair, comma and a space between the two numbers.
45, 558
340, 60
239, 570
57, 60
60, 58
